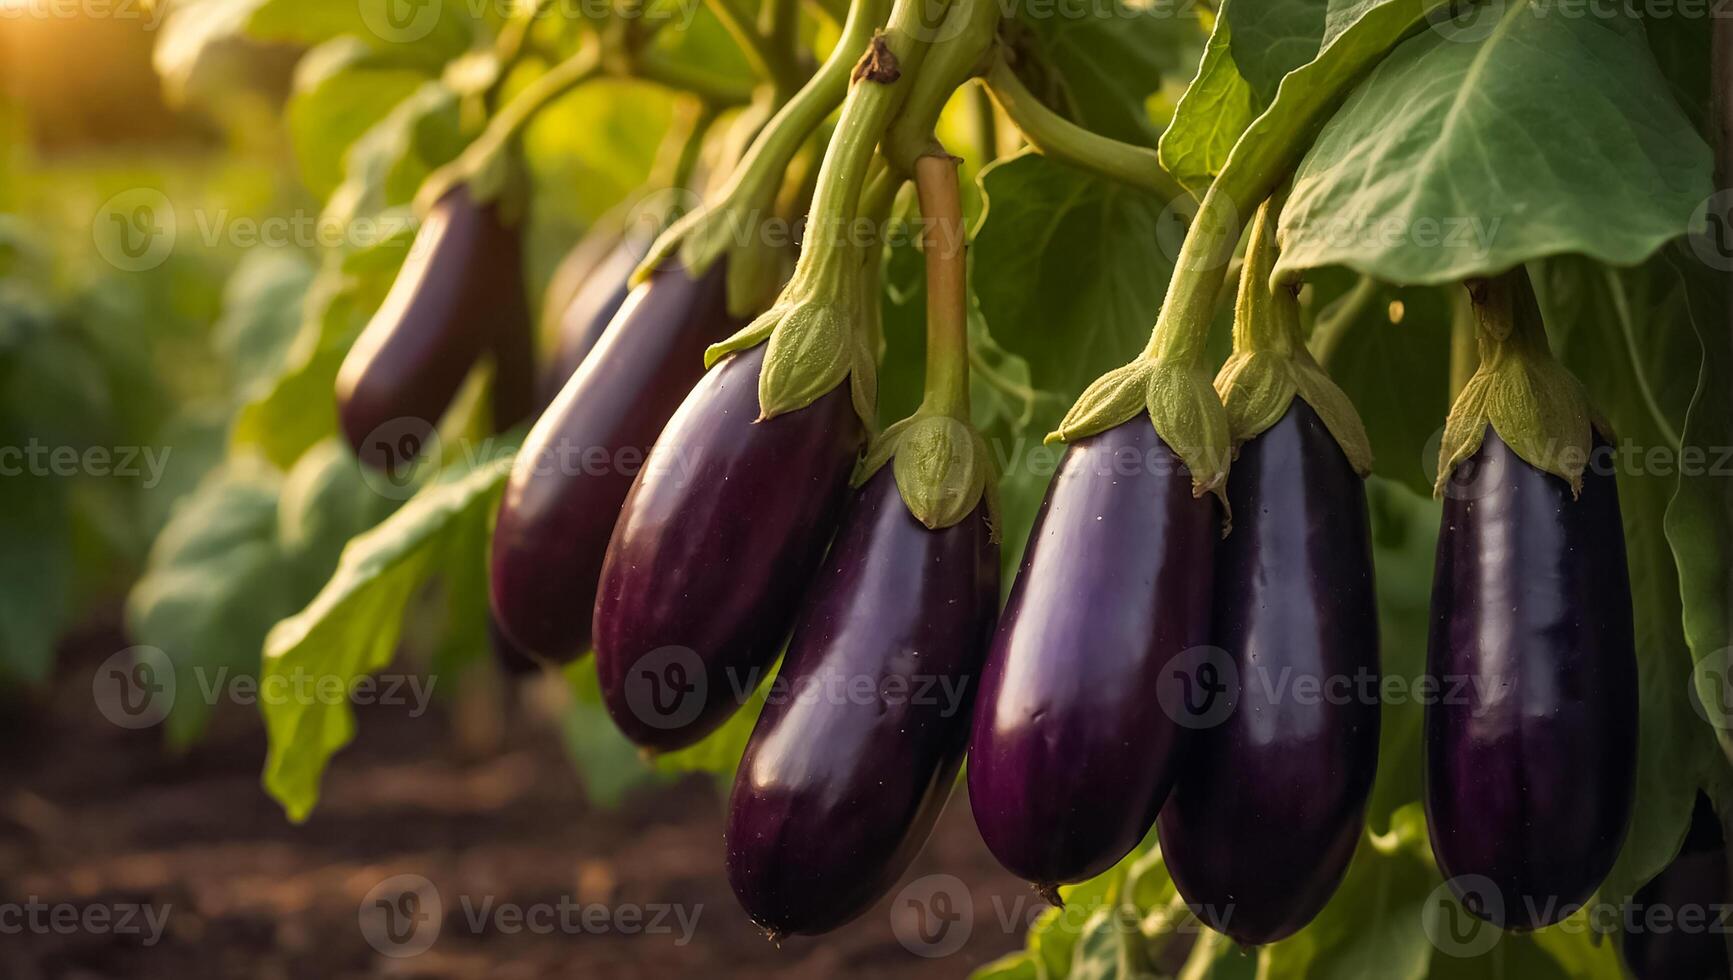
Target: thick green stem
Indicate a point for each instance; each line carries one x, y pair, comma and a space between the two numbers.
1265, 320
682, 77
1508, 321
967, 36
1464, 354
1065, 141
947, 381
1182, 331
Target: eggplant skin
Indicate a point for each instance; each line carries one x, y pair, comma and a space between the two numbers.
1665, 946
1531, 739
579, 459
1072, 753
1270, 803
858, 746
459, 294
718, 539
586, 310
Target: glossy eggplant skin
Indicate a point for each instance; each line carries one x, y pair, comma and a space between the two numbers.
584, 313
1695, 885
858, 746
460, 294
579, 460
1531, 741
1270, 802
717, 541
1072, 752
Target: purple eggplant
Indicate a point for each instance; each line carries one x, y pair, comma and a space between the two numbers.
1531, 739
1270, 801
1072, 752
459, 295
1677, 929
578, 462
719, 537
859, 743
586, 307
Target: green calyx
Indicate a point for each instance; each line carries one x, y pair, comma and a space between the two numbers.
730, 224
1534, 404
1270, 364
943, 468
1182, 405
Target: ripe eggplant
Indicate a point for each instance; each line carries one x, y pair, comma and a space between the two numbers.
714, 547
1270, 802
1071, 753
1531, 739
858, 746
1677, 930
578, 462
722, 531
586, 307
460, 294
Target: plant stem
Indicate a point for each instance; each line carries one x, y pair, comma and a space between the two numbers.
1265, 320
681, 77
879, 83
986, 124
967, 35
947, 380
1182, 330
1464, 355
1336, 321
1063, 140
536, 96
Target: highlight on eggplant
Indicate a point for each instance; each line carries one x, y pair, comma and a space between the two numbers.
1271, 799
459, 296
718, 538
578, 462
1070, 755
1530, 772
859, 743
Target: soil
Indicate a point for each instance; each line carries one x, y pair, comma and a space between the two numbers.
100, 825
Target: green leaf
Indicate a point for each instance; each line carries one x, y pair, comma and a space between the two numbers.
1077, 276
191, 31
261, 314
430, 32
1104, 67
608, 764
1272, 38
342, 88
1491, 175
213, 587
1216, 108
35, 571
350, 629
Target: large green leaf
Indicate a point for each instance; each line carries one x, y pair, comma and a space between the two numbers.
1453, 159
350, 630
1271, 38
261, 314
1216, 108
214, 585
1077, 276
342, 88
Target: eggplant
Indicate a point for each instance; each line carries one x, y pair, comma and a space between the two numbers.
459, 295
578, 462
580, 310
858, 746
1270, 802
1677, 929
719, 536
1071, 753
1531, 737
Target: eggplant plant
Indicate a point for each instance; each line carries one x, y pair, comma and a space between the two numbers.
1341, 636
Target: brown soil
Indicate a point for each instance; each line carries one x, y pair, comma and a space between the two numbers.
95, 819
